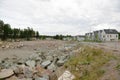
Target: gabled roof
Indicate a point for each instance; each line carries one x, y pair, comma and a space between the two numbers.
111, 31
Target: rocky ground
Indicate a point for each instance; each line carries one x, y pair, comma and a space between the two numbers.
44, 60
33, 60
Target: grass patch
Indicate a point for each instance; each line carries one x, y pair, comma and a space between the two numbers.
88, 63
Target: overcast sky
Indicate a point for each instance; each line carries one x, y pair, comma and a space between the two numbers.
74, 17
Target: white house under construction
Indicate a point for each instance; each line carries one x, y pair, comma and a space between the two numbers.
103, 35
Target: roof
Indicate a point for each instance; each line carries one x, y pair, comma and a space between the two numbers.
111, 31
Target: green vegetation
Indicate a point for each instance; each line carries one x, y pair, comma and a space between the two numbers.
119, 35
88, 63
6, 32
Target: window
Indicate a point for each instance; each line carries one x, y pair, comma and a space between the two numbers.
116, 35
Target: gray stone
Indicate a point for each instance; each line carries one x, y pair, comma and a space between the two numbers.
4, 73
28, 73
33, 56
60, 63
21, 61
31, 63
52, 67
49, 58
19, 69
45, 77
38, 59
46, 63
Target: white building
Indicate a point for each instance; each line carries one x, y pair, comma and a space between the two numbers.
79, 37
103, 35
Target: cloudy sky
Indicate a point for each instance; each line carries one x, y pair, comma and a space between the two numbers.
52, 17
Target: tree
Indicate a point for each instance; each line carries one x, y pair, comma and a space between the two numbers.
37, 34
119, 35
16, 33
1, 28
6, 31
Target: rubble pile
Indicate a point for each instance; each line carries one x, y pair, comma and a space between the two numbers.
38, 66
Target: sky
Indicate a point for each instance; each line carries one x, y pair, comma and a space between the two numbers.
51, 17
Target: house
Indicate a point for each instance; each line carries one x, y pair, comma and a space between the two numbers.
103, 35
89, 36
79, 37
67, 38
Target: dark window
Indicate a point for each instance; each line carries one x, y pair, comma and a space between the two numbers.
110, 36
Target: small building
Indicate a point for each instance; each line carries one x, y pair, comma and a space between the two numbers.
79, 37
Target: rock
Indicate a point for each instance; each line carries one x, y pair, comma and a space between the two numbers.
46, 63
31, 63
28, 73
21, 61
60, 63
33, 56
12, 78
3, 46
19, 69
38, 59
66, 76
41, 71
52, 67
45, 77
53, 76
5, 73
25, 79
49, 58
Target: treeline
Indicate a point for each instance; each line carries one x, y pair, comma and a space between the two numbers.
6, 32
57, 37
119, 35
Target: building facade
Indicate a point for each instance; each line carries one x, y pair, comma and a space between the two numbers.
103, 35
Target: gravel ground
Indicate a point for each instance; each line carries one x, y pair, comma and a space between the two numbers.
29, 47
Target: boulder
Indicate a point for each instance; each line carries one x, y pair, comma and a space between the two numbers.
60, 63
41, 71
19, 69
46, 63
28, 73
52, 67
33, 56
49, 58
5, 73
45, 77
66, 76
12, 78
31, 63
